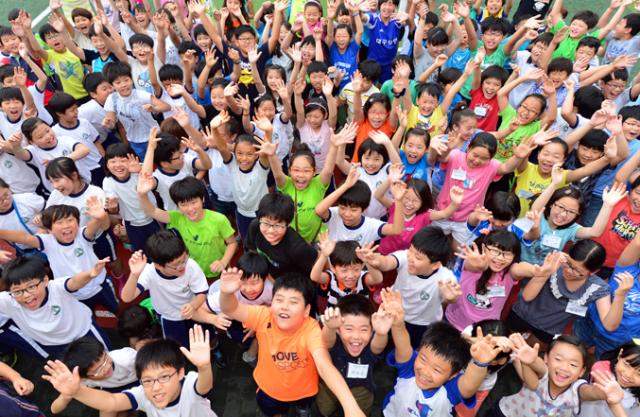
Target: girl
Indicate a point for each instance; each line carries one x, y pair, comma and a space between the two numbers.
17, 212
72, 189
313, 17
274, 76
344, 43
546, 304
280, 57
122, 167
234, 14
418, 209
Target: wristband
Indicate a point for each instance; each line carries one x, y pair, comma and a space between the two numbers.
21, 149
237, 63
246, 114
354, 15
404, 90
481, 365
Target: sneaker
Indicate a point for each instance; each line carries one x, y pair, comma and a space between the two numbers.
303, 411
251, 362
6, 381
9, 359
220, 358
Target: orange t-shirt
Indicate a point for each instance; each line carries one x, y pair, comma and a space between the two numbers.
286, 370
364, 128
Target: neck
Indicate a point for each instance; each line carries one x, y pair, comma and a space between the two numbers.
200, 216
77, 187
67, 123
553, 389
544, 175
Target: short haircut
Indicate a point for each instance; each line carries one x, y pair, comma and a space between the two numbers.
11, 93
13, 14
171, 126
24, 269
92, 81
45, 30
446, 342
632, 21
498, 24
170, 72
5, 31
60, 102
134, 320
496, 72
296, 282
342, 10
165, 247
357, 196
83, 353
395, 2
159, 353
7, 71
431, 241
241, 30
344, 27
317, 66
200, 30
80, 12
560, 64
253, 264
165, 148
403, 58
92, 31
449, 76
370, 69
277, 207
230, 33
189, 46
594, 139
588, 100
504, 206
589, 42
368, 146
356, 305
29, 125
187, 189
52, 214
432, 19
429, 89
588, 17
437, 36
630, 112
345, 254
114, 70
573, 341
543, 38
137, 39
619, 74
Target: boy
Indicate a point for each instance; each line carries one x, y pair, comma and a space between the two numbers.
347, 274
430, 379
208, 235
423, 279
398, 64
493, 8
363, 336
164, 389
173, 92
528, 61
484, 95
469, 42
63, 318
347, 222
343, 44
143, 54
93, 111
623, 40
295, 356
81, 17
112, 371
438, 43
14, 102
65, 109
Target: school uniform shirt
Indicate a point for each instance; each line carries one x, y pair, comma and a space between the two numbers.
213, 296
71, 72
59, 320
346, 94
407, 400
84, 133
248, 186
169, 294
383, 39
15, 172
8, 128
369, 230
346, 62
283, 135
64, 146
334, 290
79, 201
95, 60
486, 110
39, 99
600, 408
189, 402
351, 367
376, 210
136, 122
124, 370
28, 206
421, 296
141, 73
127, 194
164, 180
522, 90
219, 177
179, 102
95, 114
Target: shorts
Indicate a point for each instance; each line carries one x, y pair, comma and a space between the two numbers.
463, 411
226, 208
416, 331
98, 174
520, 325
105, 246
106, 297
179, 330
138, 235
271, 406
584, 329
95, 331
458, 230
12, 337
111, 139
236, 332
495, 411
328, 402
140, 149
243, 223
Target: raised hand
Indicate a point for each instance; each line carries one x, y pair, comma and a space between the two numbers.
608, 384
557, 174
234, 55
265, 147
98, 267
137, 262
383, 320
61, 378
402, 117
514, 124
449, 288
327, 86
230, 280
396, 173
613, 124
190, 144
438, 144
579, 66
522, 351
625, 282
551, 264
548, 89
57, 23
560, 35
482, 214
356, 82
472, 255
440, 60
332, 318
111, 203
346, 135
367, 252
24, 54
484, 350
403, 69
263, 123
392, 302
325, 244
456, 194
180, 114
198, 352
295, 53
618, 192
379, 137
254, 56
299, 86
398, 190
353, 176
525, 148
283, 91
543, 136
95, 207
244, 103
146, 183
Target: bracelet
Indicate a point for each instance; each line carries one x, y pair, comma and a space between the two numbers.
354, 15
21, 149
404, 90
246, 114
237, 63
481, 365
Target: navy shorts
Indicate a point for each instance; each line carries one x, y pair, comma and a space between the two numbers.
520, 325
179, 330
271, 406
95, 331
118, 390
105, 246
11, 337
138, 235
106, 297
110, 140
98, 174
226, 208
416, 331
140, 149
236, 331
243, 223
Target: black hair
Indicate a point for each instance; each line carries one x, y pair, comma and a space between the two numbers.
200, 30
114, 70
429, 89
619, 74
252, 263
594, 139
296, 282
316, 103
29, 125
345, 254
80, 12
52, 214
187, 189
277, 207
60, 102
370, 69
92, 31
83, 353
421, 133
303, 150
170, 72
23, 269
461, 112
165, 247
421, 188
345, 27
449, 76
368, 146
220, 82
11, 93
277, 68
630, 352
189, 46
356, 305
145, 40
573, 341
230, 33
159, 353
7, 71
248, 139
381, 2
633, 185
445, 342
589, 42
541, 100
45, 30
560, 64
3, 184
591, 253
632, 21
63, 167
503, 206
630, 112
263, 99
13, 14
171, 126
5, 31
357, 196
432, 242
200, 66
165, 148
545, 38
134, 320
521, 18
342, 10
588, 17
376, 98
172, 20
571, 192
437, 36
496, 72
403, 58
505, 241
484, 140
92, 81
116, 150
499, 24
232, 127
496, 328
588, 100
139, 8
432, 18
240, 30
560, 142
317, 66
269, 10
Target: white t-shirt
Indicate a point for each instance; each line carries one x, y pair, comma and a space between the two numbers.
165, 180
15, 172
282, 133
169, 294
136, 122
213, 297
368, 231
7, 127
220, 178
61, 318
179, 102
95, 114
376, 209
421, 296
29, 206
73, 258
84, 133
190, 402
38, 99
79, 201
64, 147
522, 90
141, 73
248, 187
563, 127
127, 195
82, 41
600, 408
124, 370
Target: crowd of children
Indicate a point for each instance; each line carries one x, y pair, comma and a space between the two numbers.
259, 172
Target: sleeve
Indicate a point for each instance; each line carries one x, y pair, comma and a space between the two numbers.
224, 225
190, 160
250, 243
143, 279
401, 259
560, 25
197, 279
304, 254
508, 113
453, 394
134, 394
343, 96
405, 370
632, 269
314, 337
90, 56
213, 302
371, 23
603, 291
144, 96
107, 186
256, 315
108, 105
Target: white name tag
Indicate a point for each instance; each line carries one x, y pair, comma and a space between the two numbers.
357, 371
496, 292
524, 224
573, 308
459, 175
552, 241
480, 111
525, 194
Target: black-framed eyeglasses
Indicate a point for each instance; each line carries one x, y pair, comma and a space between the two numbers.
181, 157
565, 210
497, 252
30, 289
275, 227
576, 272
147, 383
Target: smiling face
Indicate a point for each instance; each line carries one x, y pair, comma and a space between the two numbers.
204, 41
11, 43
31, 300
12, 108
344, 19
575, 270
82, 24
627, 375
613, 88
565, 365
355, 333
529, 110
302, 172
317, 79
103, 91
312, 15
419, 263
245, 155
273, 230
577, 29
431, 371
118, 166
176, 163
631, 128
289, 310
549, 155
494, 6
372, 162
267, 109
54, 41
70, 115
435, 50
351, 216
621, 29
175, 268
586, 155
65, 229
217, 99
377, 115
537, 50
492, 39
499, 262
342, 38
103, 367
273, 77
558, 78
64, 185
139, 51
142, 17
427, 104
6, 199
412, 202
466, 128
315, 118
414, 149
387, 9
585, 52
308, 52
500, 224
123, 85
44, 137
347, 275
192, 209
478, 157
159, 394
252, 287
564, 211
490, 87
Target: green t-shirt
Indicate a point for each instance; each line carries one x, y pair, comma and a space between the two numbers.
204, 239
146, 303
567, 48
71, 72
307, 200
496, 58
387, 89
506, 145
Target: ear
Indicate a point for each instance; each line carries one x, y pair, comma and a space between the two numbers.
436, 265
453, 376
46, 282
546, 358
307, 310
181, 374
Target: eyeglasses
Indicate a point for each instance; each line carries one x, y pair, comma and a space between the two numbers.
496, 252
148, 383
30, 289
539, 47
378, 113
298, 171
527, 109
492, 34
414, 202
246, 40
620, 87
6, 196
561, 209
106, 359
52, 37
181, 157
180, 265
577, 273
275, 227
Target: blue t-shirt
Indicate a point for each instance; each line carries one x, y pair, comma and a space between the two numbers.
206, 99
459, 59
630, 325
97, 63
347, 62
407, 399
536, 253
420, 169
384, 39
607, 178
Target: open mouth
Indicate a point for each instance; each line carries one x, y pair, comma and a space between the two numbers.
355, 347
623, 381
159, 397
300, 183
497, 265
561, 377
284, 316
192, 214
31, 303
67, 235
412, 158
636, 206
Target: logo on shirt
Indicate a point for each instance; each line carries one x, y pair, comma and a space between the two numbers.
85, 136
624, 227
196, 237
424, 296
55, 310
289, 361
83, 211
8, 164
79, 252
423, 410
65, 152
69, 69
186, 289
25, 220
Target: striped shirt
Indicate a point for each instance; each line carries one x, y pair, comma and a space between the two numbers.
347, 95
334, 289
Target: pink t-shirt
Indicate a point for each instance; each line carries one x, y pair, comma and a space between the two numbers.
317, 25
319, 142
475, 184
390, 244
471, 307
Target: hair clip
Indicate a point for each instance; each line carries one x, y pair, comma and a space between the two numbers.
568, 191
556, 336
636, 340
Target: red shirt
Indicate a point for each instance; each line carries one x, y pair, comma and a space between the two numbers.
486, 110
620, 231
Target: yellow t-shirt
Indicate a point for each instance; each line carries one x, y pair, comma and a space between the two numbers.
71, 72
428, 123
529, 182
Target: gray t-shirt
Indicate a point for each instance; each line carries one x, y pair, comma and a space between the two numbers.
424, 63
616, 47
547, 311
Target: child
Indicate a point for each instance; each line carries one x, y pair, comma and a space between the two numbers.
623, 40
157, 362
370, 72
82, 19
18, 212
298, 335
343, 44
527, 62
355, 335
137, 323
348, 274
13, 102
438, 43
93, 111
483, 94
493, 8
